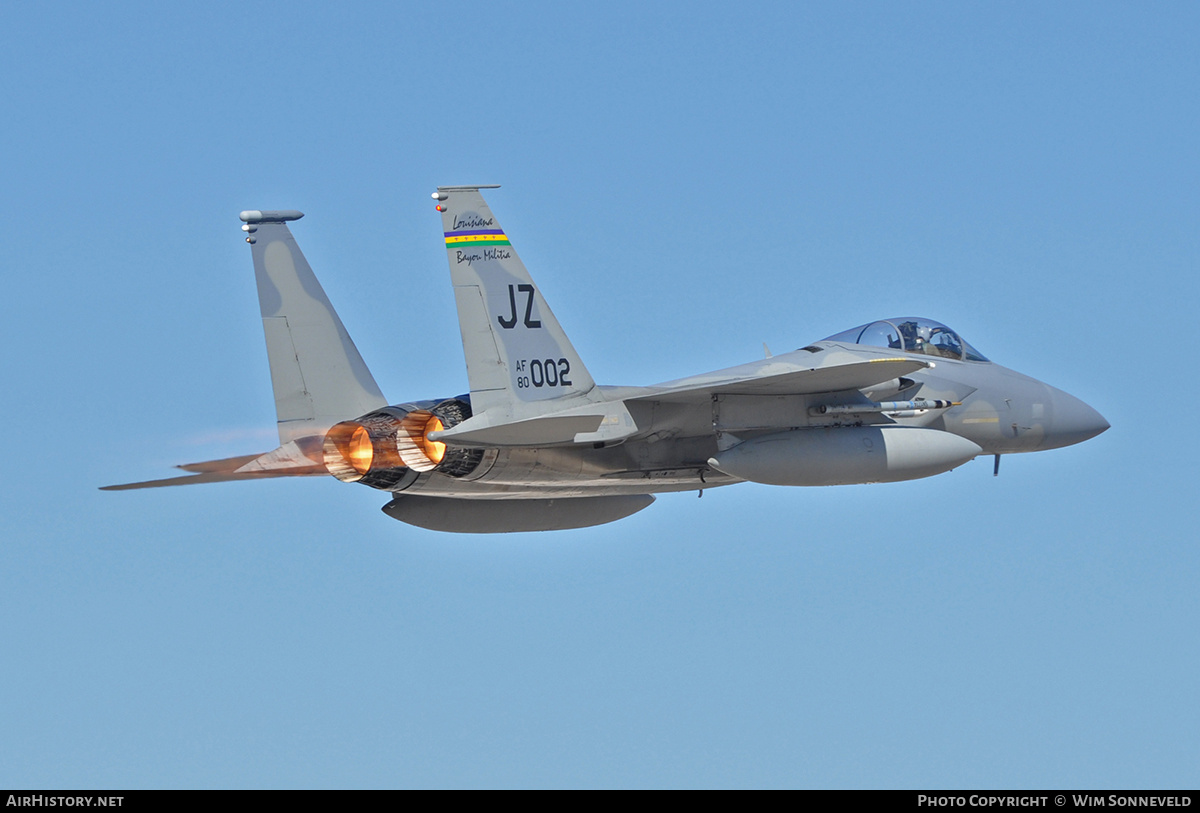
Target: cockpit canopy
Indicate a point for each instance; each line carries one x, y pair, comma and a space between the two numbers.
912, 335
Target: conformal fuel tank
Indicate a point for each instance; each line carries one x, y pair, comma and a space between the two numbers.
841, 455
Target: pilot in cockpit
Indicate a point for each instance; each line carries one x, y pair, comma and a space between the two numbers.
921, 338
914, 337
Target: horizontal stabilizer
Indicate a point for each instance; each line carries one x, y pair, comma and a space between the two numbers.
217, 477
289, 460
226, 464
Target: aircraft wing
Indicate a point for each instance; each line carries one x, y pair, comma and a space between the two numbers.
611, 421
805, 381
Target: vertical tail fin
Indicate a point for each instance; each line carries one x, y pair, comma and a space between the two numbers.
518, 356
317, 373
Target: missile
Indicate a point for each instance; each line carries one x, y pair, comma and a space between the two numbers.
884, 406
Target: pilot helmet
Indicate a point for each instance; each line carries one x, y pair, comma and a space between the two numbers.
915, 334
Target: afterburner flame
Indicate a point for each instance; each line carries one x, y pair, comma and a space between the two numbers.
434, 450
417, 451
388, 448
361, 452
343, 449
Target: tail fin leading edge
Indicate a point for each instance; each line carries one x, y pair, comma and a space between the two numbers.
517, 354
317, 373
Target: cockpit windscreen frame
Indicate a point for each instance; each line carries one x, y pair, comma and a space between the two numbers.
911, 334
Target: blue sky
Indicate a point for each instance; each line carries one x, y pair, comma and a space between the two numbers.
757, 173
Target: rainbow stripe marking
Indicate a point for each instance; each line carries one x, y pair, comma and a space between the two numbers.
482, 237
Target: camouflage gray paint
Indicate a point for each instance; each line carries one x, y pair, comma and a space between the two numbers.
537, 445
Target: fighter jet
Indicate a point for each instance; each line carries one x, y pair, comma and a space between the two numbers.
537, 445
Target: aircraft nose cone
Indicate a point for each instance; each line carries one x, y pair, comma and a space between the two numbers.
1073, 421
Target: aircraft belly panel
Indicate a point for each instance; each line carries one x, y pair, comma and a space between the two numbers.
632, 468
628, 483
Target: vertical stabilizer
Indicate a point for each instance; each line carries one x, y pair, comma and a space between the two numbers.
519, 360
317, 373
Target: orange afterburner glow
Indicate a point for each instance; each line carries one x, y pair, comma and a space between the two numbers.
350, 451
433, 450
361, 452
378, 449
417, 451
